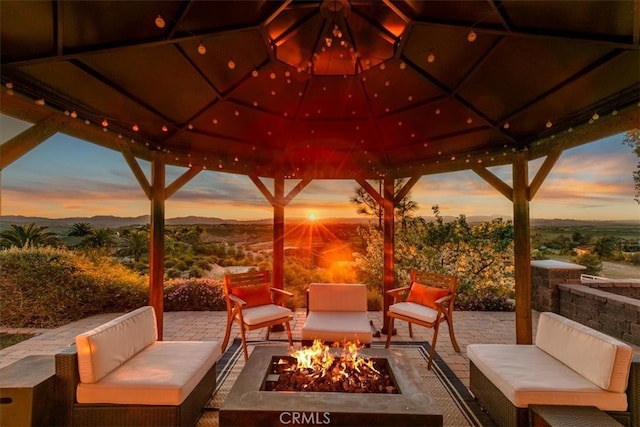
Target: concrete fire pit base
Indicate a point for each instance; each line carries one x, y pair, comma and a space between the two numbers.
247, 405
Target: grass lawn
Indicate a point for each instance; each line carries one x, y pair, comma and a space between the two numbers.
7, 340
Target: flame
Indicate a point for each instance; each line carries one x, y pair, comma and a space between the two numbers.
318, 361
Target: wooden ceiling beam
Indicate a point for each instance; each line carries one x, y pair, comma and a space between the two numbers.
27, 140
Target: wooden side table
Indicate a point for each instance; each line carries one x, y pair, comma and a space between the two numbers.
27, 392
569, 416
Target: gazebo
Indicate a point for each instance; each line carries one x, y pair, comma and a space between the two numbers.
296, 91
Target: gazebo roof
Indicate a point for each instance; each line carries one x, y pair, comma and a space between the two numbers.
324, 89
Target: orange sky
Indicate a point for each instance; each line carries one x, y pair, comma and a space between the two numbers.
65, 177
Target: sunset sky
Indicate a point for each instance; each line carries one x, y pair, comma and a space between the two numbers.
65, 177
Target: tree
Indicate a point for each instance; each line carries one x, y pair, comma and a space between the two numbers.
632, 139
367, 205
31, 235
480, 255
80, 229
134, 245
99, 238
591, 261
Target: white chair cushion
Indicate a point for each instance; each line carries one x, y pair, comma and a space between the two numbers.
527, 376
337, 297
165, 373
601, 359
416, 311
337, 326
103, 349
264, 313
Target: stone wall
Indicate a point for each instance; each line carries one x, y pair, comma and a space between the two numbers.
613, 314
546, 275
607, 305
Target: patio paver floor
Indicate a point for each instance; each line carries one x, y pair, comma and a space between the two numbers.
470, 327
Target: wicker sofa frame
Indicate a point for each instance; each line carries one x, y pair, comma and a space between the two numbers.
71, 413
506, 414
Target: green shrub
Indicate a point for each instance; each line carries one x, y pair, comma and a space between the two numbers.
483, 301
193, 294
48, 287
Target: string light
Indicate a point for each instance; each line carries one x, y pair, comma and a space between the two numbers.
231, 64
202, 49
135, 128
595, 116
549, 124
431, 58
471, 37
105, 123
506, 125
160, 21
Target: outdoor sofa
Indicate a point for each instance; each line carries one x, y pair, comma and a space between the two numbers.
570, 364
120, 374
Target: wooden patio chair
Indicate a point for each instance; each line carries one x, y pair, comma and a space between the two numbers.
427, 301
254, 304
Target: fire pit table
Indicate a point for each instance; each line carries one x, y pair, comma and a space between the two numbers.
249, 403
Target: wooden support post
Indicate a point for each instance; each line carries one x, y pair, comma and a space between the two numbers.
388, 272
156, 255
522, 249
278, 232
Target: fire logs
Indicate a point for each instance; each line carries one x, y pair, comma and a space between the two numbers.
339, 377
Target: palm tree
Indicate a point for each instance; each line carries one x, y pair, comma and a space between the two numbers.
134, 245
80, 229
31, 235
100, 238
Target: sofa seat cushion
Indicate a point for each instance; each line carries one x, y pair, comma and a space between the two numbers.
264, 313
603, 360
165, 373
104, 348
337, 326
414, 310
527, 376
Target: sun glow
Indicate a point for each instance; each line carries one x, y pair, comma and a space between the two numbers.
313, 216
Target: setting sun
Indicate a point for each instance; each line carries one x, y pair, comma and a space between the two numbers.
313, 216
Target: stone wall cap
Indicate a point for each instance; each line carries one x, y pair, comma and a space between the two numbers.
552, 264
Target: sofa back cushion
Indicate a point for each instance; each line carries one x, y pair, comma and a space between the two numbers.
337, 297
103, 349
603, 360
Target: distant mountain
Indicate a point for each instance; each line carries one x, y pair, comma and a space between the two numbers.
115, 221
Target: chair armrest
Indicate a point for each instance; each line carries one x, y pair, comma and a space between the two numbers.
282, 291
280, 295
395, 293
443, 299
237, 300
67, 379
633, 391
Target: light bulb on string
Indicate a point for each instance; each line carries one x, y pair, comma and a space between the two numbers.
202, 49
105, 123
472, 36
595, 116
231, 64
549, 124
160, 21
431, 58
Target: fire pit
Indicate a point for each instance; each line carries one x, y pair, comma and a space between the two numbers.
395, 397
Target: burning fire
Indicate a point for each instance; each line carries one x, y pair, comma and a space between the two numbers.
320, 362
317, 368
